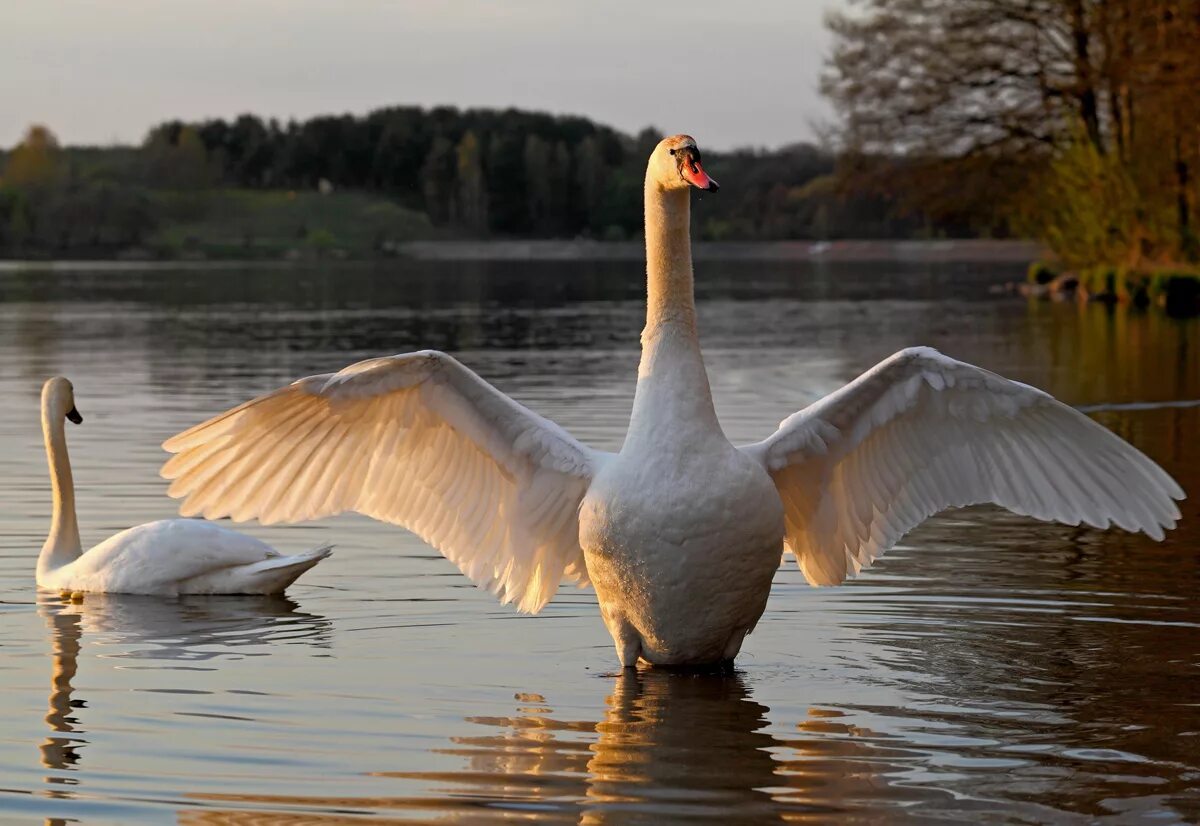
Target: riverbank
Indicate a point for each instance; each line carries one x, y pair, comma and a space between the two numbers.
1175, 288
942, 251
962, 251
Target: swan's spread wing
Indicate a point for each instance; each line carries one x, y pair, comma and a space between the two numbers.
921, 432
416, 439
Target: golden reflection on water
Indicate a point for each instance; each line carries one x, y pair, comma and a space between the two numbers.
59, 752
667, 745
668, 748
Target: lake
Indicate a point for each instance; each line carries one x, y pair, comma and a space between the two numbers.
988, 669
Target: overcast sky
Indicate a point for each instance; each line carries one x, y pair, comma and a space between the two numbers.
731, 73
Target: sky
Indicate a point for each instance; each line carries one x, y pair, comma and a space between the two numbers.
100, 72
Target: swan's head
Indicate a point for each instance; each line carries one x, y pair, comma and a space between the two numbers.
58, 399
675, 164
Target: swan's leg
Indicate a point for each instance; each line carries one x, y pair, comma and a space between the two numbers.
628, 650
627, 640
734, 645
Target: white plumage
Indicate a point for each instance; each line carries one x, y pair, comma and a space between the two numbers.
167, 557
680, 532
919, 433
417, 440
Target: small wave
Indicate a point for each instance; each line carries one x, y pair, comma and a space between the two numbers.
1104, 408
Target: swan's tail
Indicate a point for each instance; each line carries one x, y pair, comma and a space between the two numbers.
274, 575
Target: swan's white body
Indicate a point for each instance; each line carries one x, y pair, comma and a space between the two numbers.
680, 532
168, 557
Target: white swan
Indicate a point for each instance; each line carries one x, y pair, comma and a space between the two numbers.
171, 556
680, 532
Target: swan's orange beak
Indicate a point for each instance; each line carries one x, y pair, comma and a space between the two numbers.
694, 174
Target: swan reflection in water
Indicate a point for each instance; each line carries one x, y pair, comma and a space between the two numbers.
672, 748
59, 749
668, 748
668, 745
187, 628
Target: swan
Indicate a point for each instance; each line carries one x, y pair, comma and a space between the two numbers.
167, 557
680, 533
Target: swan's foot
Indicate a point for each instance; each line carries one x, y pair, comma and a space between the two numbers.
77, 596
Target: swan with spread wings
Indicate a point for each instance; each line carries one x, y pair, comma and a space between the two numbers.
680, 532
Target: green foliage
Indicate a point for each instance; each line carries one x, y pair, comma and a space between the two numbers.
1087, 208
1085, 108
246, 187
14, 218
267, 223
36, 162
481, 172
1041, 272
1106, 282
95, 215
56, 201
1095, 209
175, 157
471, 206
1177, 289
321, 240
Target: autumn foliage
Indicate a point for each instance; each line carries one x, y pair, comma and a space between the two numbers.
1076, 121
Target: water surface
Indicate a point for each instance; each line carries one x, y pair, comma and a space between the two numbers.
989, 669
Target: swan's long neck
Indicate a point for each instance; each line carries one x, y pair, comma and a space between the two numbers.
670, 301
672, 391
62, 545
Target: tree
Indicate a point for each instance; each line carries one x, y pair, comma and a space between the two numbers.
559, 189
1025, 98
35, 162
400, 150
15, 228
472, 189
437, 180
176, 158
507, 201
589, 178
251, 151
539, 187
959, 77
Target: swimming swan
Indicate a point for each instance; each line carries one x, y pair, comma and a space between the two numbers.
171, 556
681, 532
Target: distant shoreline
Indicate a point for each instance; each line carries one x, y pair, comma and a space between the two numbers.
966, 250
939, 251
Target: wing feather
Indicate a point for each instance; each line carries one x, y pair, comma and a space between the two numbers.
417, 440
919, 433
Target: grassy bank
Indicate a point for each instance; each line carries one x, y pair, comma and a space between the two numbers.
250, 224
1175, 288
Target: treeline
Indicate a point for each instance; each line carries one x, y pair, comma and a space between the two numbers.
481, 171
1074, 121
442, 171
514, 173
56, 200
